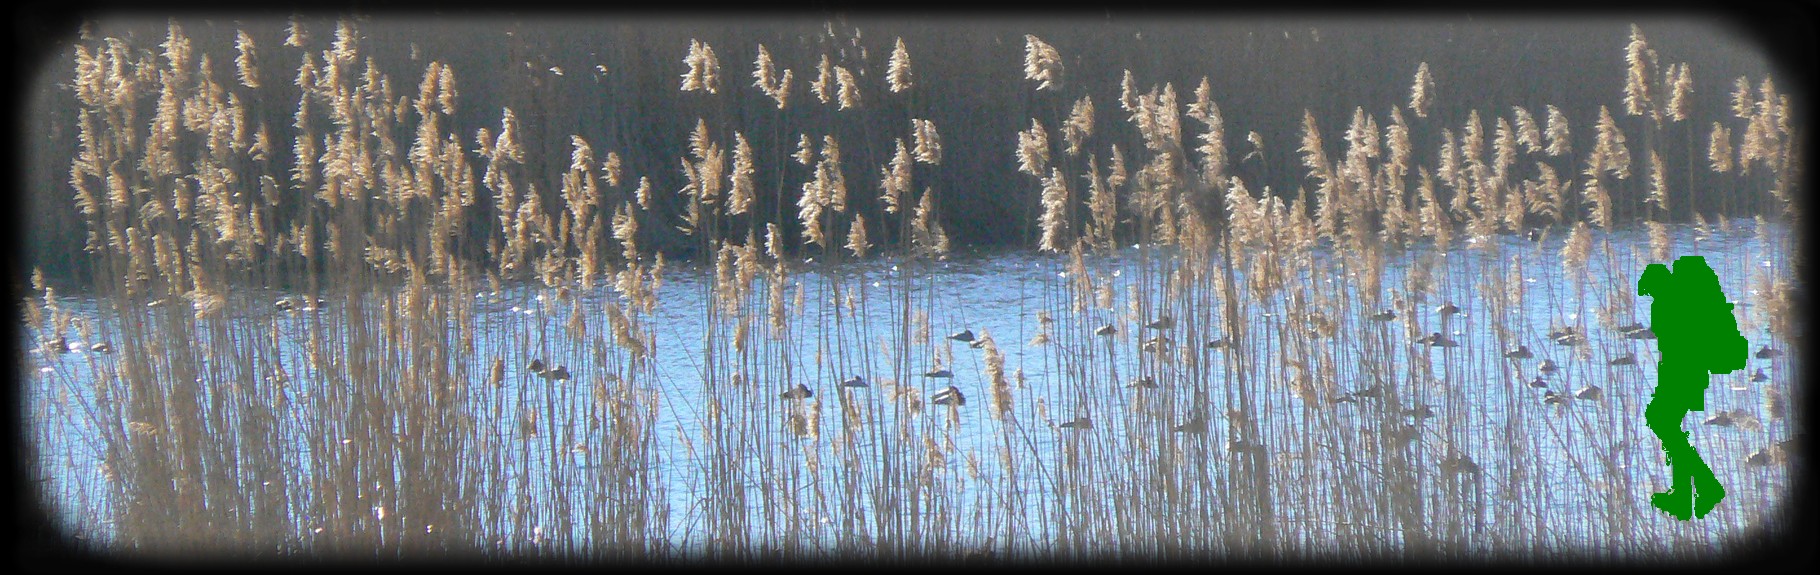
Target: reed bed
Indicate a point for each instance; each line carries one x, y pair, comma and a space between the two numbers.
392, 343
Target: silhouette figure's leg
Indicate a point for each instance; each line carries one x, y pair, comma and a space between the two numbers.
1707, 490
1678, 500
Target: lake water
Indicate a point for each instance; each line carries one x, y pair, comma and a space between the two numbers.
812, 492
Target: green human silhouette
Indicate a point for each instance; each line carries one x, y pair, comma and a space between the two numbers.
1696, 334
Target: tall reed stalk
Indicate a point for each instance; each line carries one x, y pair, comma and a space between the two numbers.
401, 341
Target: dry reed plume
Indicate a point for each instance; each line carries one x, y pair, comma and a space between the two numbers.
1333, 369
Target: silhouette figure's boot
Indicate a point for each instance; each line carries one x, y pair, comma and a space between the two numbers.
1678, 500
1676, 503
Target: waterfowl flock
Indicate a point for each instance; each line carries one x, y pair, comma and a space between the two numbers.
1419, 412
1237, 446
950, 396
1158, 344
1279, 286
1459, 464
799, 392
295, 304
1195, 425
1437, 340
1589, 393
1552, 398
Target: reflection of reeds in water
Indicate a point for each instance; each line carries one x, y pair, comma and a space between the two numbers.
1319, 415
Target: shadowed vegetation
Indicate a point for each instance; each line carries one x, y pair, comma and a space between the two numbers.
341, 319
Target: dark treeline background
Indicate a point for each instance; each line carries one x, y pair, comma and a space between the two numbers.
1264, 73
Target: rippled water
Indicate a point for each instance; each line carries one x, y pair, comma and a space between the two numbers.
1486, 400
